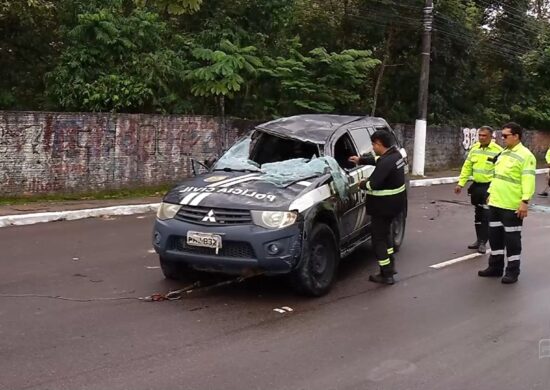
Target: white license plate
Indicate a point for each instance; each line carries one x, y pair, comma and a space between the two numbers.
206, 240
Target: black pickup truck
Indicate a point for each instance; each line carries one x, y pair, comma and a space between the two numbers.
282, 200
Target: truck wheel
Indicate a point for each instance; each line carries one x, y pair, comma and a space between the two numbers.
398, 230
318, 265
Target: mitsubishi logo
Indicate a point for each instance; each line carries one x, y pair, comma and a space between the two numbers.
210, 217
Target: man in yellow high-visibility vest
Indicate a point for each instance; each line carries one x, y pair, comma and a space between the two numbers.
480, 166
509, 193
545, 191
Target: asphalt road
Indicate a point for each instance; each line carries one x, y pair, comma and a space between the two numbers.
435, 329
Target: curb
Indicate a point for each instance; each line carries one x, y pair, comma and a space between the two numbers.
30, 219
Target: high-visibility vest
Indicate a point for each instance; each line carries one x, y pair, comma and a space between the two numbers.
514, 178
479, 163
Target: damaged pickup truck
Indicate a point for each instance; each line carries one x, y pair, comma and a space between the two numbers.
283, 200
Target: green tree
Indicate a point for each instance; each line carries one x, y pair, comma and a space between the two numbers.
114, 62
28, 45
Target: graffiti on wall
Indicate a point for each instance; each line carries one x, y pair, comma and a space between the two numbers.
469, 137
59, 152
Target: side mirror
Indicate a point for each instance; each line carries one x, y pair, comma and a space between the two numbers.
198, 167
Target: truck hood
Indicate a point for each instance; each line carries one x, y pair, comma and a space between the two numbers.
238, 190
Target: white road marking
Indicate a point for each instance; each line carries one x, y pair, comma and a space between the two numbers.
283, 310
458, 260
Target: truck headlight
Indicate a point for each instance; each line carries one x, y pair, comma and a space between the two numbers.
167, 211
274, 219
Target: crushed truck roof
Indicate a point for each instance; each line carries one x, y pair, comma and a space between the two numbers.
316, 128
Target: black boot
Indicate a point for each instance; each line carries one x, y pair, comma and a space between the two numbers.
511, 274
482, 248
478, 240
495, 269
474, 245
385, 276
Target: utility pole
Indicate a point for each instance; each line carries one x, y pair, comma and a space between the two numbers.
419, 156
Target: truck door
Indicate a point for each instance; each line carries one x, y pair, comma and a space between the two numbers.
351, 210
361, 138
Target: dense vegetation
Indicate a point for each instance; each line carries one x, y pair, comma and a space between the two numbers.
261, 59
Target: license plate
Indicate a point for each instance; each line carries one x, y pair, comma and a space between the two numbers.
206, 240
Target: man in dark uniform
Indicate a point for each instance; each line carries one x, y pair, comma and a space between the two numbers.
386, 198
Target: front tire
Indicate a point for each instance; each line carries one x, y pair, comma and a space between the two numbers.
315, 274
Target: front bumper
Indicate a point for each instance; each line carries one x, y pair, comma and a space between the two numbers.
244, 247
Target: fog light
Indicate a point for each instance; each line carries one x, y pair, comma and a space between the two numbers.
157, 238
273, 249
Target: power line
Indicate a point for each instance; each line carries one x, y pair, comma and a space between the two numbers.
500, 39
519, 13
480, 46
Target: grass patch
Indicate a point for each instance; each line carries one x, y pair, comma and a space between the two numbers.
122, 193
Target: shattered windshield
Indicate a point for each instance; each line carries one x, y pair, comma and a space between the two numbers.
282, 162
236, 158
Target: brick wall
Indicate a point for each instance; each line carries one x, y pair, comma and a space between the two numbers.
447, 147
73, 152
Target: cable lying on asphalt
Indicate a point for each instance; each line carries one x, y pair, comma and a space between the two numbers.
64, 298
195, 288
174, 295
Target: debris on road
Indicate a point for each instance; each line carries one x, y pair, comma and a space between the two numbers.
195, 288
283, 310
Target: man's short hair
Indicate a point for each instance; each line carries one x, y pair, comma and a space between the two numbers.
514, 128
486, 128
384, 137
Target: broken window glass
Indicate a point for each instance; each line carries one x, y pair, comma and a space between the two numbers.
236, 158
282, 161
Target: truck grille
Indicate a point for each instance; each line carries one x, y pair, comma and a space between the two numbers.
236, 249
213, 216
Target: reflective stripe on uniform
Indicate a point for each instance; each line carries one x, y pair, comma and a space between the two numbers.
514, 258
486, 171
509, 229
495, 224
390, 251
513, 155
514, 178
484, 152
497, 252
508, 179
385, 262
479, 164
385, 192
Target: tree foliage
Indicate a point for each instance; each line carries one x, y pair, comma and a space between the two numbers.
253, 59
